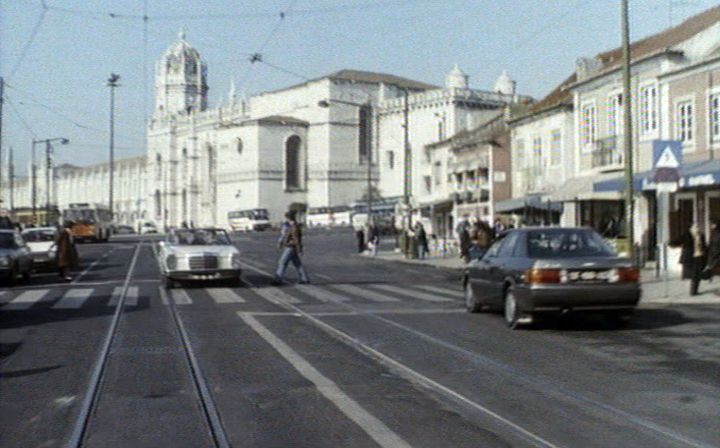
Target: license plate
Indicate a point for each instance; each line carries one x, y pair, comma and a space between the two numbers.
588, 276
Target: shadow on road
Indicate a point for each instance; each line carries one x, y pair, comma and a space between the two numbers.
643, 319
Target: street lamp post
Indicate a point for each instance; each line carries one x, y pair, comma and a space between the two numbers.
326, 104
112, 82
33, 169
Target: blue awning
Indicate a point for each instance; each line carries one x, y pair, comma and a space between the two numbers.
691, 175
527, 202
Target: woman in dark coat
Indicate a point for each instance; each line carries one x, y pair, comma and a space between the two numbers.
694, 257
66, 254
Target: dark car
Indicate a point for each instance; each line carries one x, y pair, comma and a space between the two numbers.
15, 256
537, 270
124, 230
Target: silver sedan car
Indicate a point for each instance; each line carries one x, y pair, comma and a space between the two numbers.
198, 254
538, 270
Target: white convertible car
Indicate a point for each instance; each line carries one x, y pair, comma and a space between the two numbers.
198, 254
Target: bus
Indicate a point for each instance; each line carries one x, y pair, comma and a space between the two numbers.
383, 213
91, 222
247, 220
338, 216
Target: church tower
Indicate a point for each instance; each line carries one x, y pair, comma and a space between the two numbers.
180, 80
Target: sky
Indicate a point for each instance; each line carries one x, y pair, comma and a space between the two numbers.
56, 60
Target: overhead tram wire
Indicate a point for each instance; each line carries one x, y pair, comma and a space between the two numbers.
258, 55
31, 39
19, 116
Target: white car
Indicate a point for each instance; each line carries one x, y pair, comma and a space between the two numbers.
148, 228
198, 254
41, 242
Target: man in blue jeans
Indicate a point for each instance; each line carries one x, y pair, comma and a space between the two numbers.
290, 242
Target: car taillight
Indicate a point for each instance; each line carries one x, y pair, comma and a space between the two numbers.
629, 275
537, 276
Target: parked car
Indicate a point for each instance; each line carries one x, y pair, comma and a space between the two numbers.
15, 257
41, 241
530, 271
123, 230
198, 254
148, 228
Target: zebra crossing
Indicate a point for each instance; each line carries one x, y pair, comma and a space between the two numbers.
76, 298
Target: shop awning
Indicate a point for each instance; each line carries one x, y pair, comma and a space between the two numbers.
536, 202
694, 174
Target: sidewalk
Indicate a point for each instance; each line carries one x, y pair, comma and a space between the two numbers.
655, 290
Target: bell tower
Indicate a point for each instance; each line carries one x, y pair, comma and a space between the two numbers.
180, 80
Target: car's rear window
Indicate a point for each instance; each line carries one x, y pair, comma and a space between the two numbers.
7, 241
35, 236
566, 243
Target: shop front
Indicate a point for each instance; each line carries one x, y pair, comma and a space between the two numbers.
696, 201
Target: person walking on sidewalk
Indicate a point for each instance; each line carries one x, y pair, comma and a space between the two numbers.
66, 256
693, 257
464, 240
422, 241
290, 242
360, 238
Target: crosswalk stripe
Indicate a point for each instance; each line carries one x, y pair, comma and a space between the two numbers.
224, 295
275, 294
131, 299
181, 297
115, 297
415, 294
367, 294
439, 290
74, 298
26, 299
321, 294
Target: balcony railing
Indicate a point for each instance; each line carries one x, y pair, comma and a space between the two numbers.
607, 154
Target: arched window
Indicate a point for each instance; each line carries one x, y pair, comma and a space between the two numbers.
239, 145
184, 204
292, 163
158, 166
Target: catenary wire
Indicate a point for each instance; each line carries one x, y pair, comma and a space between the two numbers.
31, 39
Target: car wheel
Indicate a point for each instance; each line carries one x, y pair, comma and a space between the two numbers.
237, 281
12, 278
472, 305
168, 283
512, 313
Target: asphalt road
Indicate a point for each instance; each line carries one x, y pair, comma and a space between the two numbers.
372, 353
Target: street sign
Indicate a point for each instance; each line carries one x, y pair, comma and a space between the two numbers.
667, 158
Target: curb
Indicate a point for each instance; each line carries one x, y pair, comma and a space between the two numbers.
412, 263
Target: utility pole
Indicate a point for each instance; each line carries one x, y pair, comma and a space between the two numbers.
33, 178
2, 97
627, 140
407, 191
48, 167
112, 82
11, 172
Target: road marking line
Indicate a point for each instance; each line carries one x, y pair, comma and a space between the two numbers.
181, 297
374, 428
115, 296
275, 295
324, 277
94, 263
26, 299
367, 294
75, 298
439, 290
321, 294
414, 294
224, 295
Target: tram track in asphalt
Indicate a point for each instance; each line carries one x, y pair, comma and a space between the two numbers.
85, 423
583, 402
91, 396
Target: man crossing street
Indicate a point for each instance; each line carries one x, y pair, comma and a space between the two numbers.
290, 242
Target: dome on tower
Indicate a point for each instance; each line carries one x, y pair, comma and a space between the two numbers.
181, 49
456, 79
504, 84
